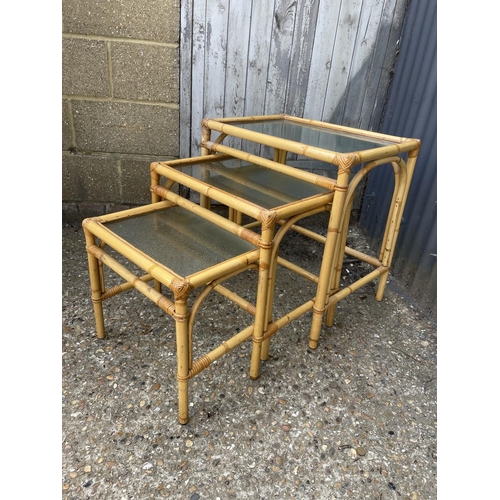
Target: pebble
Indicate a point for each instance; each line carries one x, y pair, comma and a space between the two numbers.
360, 451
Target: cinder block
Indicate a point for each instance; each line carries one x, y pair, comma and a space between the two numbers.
136, 19
90, 178
91, 210
114, 207
126, 128
66, 129
145, 72
70, 213
85, 68
136, 180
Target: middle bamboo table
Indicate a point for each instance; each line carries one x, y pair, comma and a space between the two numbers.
274, 196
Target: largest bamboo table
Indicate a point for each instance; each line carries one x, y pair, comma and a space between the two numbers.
341, 147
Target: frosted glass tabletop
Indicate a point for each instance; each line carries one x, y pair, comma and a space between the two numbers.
185, 240
259, 185
312, 135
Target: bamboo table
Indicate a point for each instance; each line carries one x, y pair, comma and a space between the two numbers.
273, 195
343, 148
180, 248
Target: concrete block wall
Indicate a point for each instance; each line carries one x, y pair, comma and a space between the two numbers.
120, 100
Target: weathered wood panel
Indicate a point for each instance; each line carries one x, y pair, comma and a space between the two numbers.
237, 60
322, 59
258, 61
195, 107
186, 65
280, 55
300, 64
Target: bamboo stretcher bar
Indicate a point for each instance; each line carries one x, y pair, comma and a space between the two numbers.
307, 232
288, 318
123, 287
338, 296
298, 270
160, 300
298, 229
200, 364
253, 224
223, 269
362, 256
236, 299
304, 205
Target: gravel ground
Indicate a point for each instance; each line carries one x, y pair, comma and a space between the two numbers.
355, 418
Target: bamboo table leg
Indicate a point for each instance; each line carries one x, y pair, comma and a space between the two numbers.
261, 319
183, 362
334, 228
398, 205
95, 273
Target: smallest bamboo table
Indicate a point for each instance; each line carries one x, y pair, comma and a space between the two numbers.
180, 247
